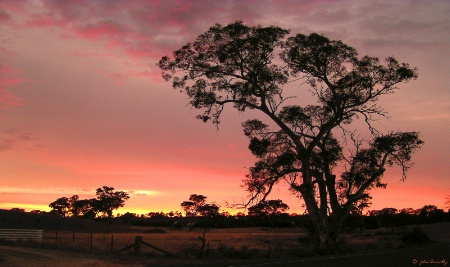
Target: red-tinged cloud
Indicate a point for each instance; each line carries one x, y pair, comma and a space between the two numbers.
41, 21
13, 139
7, 99
107, 28
8, 78
147, 30
143, 24
4, 16
154, 76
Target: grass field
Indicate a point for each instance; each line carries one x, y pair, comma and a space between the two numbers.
238, 243
66, 248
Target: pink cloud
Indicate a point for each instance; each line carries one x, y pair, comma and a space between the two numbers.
7, 99
9, 139
101, 29
143, 50
8, 78
144, 29
154, 76
6, 82
41, 21
4, 16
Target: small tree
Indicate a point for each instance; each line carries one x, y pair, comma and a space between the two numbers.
387, 217
196, 206
208, 210
447, 202
268, 208
110, 200
60, 206
91, 208
193, 206
189, 208
431, 214
18, 210
250, 68
81, 207
74, 207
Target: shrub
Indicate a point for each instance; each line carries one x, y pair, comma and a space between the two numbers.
232, 253
415, 237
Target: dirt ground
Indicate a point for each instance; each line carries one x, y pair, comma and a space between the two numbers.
25, 256
13, 256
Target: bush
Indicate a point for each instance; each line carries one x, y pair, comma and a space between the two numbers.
231, 253
415, 237
155, 231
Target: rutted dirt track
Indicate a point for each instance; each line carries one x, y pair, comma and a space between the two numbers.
25, 256
33, 257
427, 256
13, 256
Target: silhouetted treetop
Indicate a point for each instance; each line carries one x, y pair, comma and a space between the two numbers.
268, 208
239, 64
110, 200
107, 200
196, 206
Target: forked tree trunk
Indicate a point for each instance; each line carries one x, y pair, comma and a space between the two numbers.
327, 232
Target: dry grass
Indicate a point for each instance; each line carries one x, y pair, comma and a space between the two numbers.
257, 241
224, 245
235, 242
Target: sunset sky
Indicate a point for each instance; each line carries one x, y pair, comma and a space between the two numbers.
82, 103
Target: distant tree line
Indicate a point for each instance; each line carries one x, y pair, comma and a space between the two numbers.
106, 201
267, 216
391, 217
273, 213
267, 213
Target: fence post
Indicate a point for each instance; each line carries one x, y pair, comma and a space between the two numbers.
137, 244
112, 243
56, 235
73, 237
90, 246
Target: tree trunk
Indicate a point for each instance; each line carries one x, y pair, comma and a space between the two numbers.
327, 228
320, 223
327, 240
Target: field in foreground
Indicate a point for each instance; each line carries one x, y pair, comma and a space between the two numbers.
226, 247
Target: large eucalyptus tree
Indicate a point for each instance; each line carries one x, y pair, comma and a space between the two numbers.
250, 67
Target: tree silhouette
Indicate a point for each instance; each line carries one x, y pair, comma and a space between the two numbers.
107, 200
268, 208
110, 200
91, 207
60, 206
252, 68
191, 207
431, 214
208, 210
82, 207
196, 206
